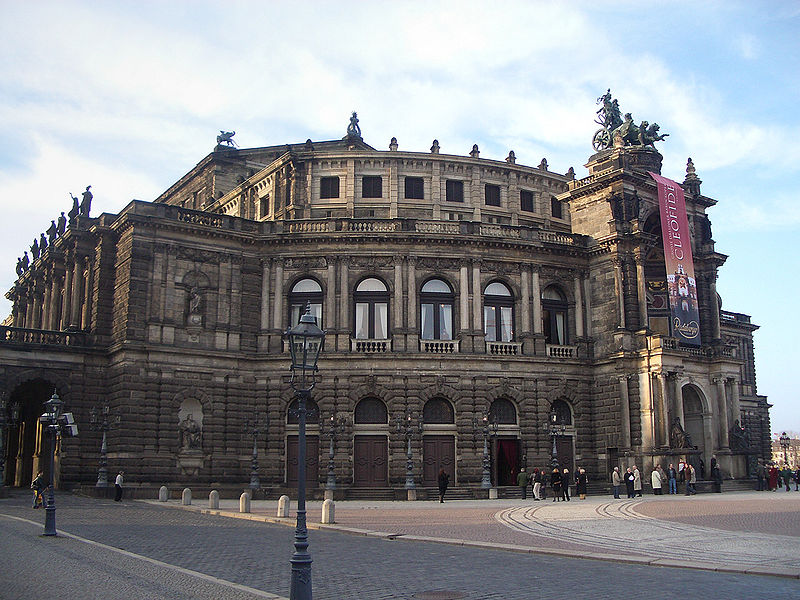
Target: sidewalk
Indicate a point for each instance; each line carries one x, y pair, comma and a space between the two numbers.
733, 533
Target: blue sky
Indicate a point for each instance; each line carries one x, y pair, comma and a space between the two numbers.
128, 96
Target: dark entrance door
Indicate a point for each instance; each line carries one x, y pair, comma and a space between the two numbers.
566, 458
370, 460
506, 461
27, 446
312, 461
438, 452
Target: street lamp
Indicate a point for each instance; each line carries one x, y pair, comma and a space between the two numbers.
255, 428
333, 427
483, 425
50, 420
98, 424
305, 345
555, 429
409, 429
785, 441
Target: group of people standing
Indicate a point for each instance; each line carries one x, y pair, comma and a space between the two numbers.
659, 479
559, 481
771, 478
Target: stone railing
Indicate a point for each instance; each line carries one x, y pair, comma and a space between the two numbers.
559, 351
46, 337
370, 346
553, 237
504, 348
372, 226
308, 226
437, 227
438, 346
500, 231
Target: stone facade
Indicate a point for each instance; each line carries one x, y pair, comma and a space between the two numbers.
450, 288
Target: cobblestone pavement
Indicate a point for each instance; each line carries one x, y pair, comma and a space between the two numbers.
255, 554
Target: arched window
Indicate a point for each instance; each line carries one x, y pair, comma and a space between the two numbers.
436, 310
372, 310
438, 411
562, 412
305, 291
498, 313
503, 412
312, 413
554, 316
371, 411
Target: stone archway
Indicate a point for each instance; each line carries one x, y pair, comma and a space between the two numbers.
694, 423
27, 448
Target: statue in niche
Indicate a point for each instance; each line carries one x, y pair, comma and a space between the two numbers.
195, 311
678, 438
190, 433
738, 437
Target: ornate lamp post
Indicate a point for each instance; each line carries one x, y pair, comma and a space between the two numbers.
407, 427
305, 345
487, 428
555, 429
255, 427
333, 427
785, 440
97, 423
50, 420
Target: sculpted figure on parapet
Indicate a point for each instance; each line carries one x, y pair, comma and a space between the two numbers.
353, 129
738, 437
618, 131
678, 438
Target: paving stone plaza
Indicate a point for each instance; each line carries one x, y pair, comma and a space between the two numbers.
734, 545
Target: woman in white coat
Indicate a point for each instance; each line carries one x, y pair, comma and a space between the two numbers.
655, 480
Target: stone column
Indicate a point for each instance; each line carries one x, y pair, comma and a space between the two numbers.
722, 411
344, 303
48, 300
77, 284
537, 302
55, 302
464, 296
87, 296
398, 293
619, 289
646, 403
477, 297
67, 311
277, 313
36, 312
578, 306
677, 395
662, 430
587, 302
641, 289
526, 299
625, 405
412, 295
330, 294
735, 409
265, 274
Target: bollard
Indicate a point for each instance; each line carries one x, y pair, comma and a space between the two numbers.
283, 506
411, 495
328, 511
244, 503
163, 494
213, 500
492, 493
186, 497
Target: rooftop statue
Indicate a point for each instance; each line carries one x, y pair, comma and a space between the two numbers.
226, 137
617, 131
353, 129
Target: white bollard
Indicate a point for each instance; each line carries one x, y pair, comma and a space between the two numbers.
244, 503
213, 500
492, 493
283, 506
328, 511
411, 495
186, 497
163, 494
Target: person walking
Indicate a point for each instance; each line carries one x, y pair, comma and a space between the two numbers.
797, 480
522, 482
672, 479
616, 481
629, 480
637, 481
118, 487
537, 484
555, 484
773, 478
565, 484
655, 482
581, 483
443, 480
38, 485
691, 480
786, 473
761, 475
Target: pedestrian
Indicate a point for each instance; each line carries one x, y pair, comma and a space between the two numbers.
761, 475
444, 479
565, 484
672, 479
118, 487
797, 480
691, 480
655, 481
629, 479
716, 475
522, 482
773, 478
537, 484
786, 473
581, 483
637, 481
38, 485
555, 484
616, 480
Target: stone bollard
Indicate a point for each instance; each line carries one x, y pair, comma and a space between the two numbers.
213, 500
163, 494
244, 503
411, 495
328, 511
492, 493
186, 497
283, 506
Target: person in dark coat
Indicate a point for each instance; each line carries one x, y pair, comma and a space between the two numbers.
444, 479
629, 477
565, 484
581, 483
773, 478
555, 483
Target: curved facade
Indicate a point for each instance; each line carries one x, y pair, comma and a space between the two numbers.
462, 298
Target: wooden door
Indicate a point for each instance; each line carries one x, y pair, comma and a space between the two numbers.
370, 461
438, 452
566, 456
312, 461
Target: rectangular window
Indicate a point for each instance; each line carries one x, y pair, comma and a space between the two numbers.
371, 186
381, 321
492, 195
490, 323
329, 187
445, 322
426, 314
555, 208
362, 320
263, 208
454, 191
415, 189
526, 200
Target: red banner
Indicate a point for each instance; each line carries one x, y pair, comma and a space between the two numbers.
685, 321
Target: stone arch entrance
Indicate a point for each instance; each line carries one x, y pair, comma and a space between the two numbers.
27, 447
694, 422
